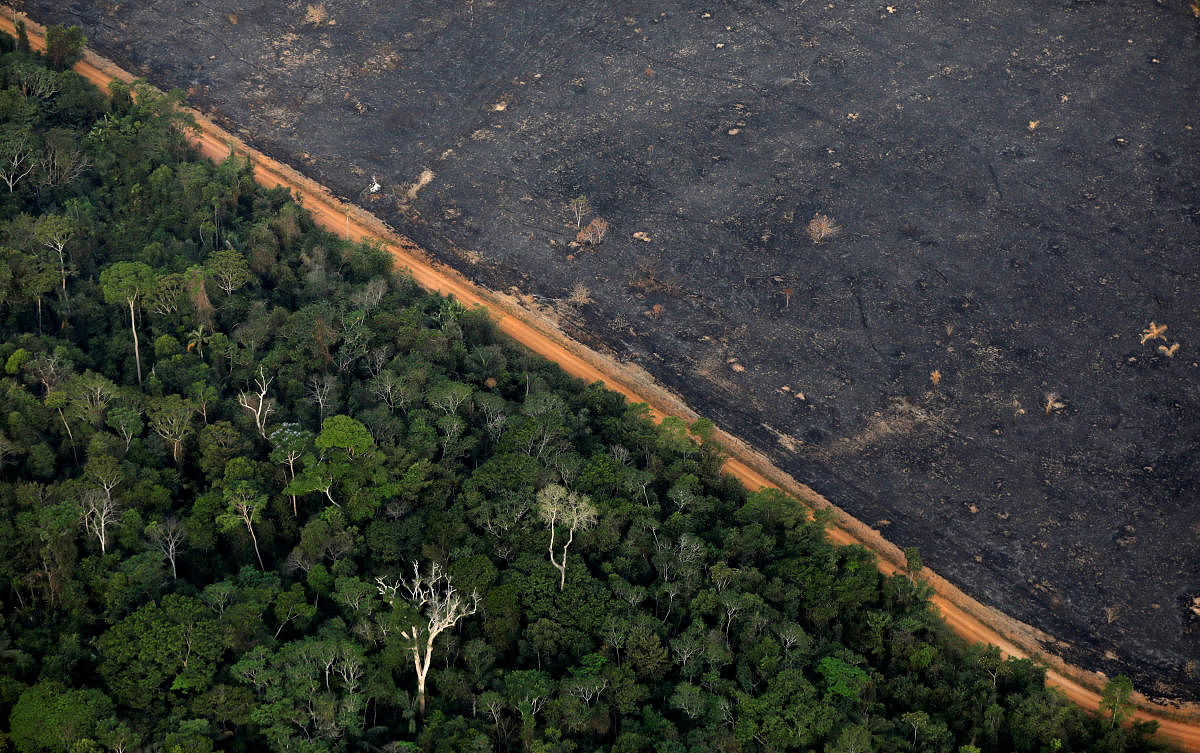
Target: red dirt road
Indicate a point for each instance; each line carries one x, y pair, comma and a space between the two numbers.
967, 617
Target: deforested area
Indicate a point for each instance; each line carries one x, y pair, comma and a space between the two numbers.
260, 492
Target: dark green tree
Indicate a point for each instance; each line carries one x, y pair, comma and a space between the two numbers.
64, 46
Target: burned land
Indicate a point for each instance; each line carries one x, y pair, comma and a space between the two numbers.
913, 252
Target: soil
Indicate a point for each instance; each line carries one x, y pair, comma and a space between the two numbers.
1016, 195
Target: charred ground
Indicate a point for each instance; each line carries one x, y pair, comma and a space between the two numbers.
1016, 191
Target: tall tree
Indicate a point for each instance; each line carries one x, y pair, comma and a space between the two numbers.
1116, 699
64, 46
171, 419
100, 508
257, 403
53, 232
442, 606
558, 507
288, 444
243, 506
126, 282
18, 147
229, 269
166, 536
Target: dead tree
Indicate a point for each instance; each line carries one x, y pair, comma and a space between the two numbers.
593, 233
442, 606
258, 403
99, 512
166, 538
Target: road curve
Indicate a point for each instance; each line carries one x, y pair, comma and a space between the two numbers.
968, 618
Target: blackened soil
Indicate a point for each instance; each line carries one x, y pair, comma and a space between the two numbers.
1016, 186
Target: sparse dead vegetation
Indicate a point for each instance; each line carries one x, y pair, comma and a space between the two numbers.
648, 279
1053, 403
594, 233
580, 295
422, 180
1154, 332
316, 14
822, 227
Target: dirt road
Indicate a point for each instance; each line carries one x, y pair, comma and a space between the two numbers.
966, 617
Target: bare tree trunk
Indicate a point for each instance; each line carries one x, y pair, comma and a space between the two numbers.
562, 569
421, 674
136, 353
254, 540
292, 471
69, 434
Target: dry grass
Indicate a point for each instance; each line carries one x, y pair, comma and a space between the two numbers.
316, 14
580, 295
422, 180
822, 227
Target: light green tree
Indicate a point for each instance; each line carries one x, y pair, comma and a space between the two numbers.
171, 419
230, 270
243, 506
556, 506
126, 282
1116, 699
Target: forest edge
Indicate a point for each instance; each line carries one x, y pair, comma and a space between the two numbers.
968, 618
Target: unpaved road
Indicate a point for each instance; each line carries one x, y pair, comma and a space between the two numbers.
967, 617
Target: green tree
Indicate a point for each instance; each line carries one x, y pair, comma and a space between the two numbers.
126, 421
51, 717
64, 46
1115, 700
528, 691
230, 269
161, 653
244, 505
125, 282
310, 693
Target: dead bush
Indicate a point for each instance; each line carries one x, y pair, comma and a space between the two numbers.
822, 227
593, 233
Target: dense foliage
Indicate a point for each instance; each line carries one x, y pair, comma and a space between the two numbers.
226, 437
